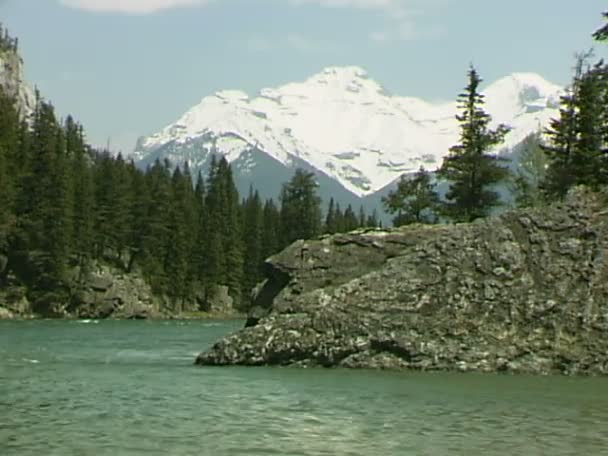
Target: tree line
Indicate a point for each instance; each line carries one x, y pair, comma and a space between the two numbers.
572, 151
65, 205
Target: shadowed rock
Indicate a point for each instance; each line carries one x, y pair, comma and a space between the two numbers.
523, 292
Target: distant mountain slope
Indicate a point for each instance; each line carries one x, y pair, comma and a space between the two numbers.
343, 125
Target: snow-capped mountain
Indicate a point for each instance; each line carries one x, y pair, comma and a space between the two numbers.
343, 124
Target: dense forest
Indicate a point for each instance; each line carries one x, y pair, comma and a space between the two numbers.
64, 205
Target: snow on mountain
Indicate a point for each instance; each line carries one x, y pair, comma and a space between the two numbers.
345, 125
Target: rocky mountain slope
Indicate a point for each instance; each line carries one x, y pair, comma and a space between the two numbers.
12, 81
523, 292
341, 124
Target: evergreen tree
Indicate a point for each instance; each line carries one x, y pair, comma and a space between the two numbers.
577, 139
372, 220
351, 222
271, 228
113, 195
7, 43
232, 242
224, 225
253, 224
181, 236
42, 239
330, 218
300, 208
414, 200
362, 217
83, 192
531, 172
471, 170
602, 33
198, 254
339, 222
9, 144
139, 237
157, 231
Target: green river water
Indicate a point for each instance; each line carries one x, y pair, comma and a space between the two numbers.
129, 388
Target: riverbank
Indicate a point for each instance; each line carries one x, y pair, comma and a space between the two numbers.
6, 314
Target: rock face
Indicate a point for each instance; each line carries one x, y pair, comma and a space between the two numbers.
108, 293
523, 292
101, 292
12, 80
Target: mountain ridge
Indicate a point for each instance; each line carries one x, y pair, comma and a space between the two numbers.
345, 125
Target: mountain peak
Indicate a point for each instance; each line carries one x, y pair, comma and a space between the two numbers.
345, 78
341, 123
531, 85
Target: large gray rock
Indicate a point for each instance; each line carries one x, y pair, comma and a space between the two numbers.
6, 314
106, 292
13, 299
12, 81
220, 301
523, 292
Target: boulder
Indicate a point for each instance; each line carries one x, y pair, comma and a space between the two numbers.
526, 291
6, 314
106, 292
220, 301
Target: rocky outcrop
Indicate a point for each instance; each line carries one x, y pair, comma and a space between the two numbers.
105, 292
14, 303
101, 291
526, 291
12, 81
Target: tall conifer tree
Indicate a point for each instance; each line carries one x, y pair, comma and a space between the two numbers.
470, 168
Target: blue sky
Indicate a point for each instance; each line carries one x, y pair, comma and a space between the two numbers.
127, 68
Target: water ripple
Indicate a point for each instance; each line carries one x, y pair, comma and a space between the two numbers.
129, 388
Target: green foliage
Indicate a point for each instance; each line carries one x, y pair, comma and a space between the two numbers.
83, 191
470, 168
601, 34
253, 226
530, 176
577, 140
9, 142
224, 227
414, 200
64, 205
300, 208
7, 43
271, 224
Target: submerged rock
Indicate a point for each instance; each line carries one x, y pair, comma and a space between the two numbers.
526, 291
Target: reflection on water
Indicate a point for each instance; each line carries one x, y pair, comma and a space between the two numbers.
129, 388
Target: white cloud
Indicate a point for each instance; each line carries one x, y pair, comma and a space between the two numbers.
131, 6
396, 8
403, 17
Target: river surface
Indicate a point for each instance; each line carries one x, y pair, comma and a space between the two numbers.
129, 388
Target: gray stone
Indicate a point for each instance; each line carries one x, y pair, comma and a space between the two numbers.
6, 314
220, 301
526, 291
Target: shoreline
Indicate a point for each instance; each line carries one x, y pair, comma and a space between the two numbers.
202, 316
